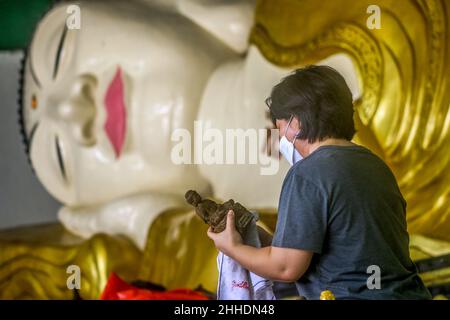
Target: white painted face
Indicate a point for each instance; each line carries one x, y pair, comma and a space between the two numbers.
100, 103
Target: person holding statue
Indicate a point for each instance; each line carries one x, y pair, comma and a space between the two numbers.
341, 213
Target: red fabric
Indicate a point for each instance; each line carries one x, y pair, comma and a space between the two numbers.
113, 286
117, 289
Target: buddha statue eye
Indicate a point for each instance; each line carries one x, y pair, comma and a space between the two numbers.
34, 102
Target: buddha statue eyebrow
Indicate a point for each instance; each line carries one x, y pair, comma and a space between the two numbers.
59, 51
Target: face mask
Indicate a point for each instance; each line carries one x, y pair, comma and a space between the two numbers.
287, 148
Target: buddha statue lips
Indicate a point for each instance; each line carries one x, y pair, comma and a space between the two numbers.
115, 124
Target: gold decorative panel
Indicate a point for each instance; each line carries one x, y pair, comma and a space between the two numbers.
34, 262
404, 73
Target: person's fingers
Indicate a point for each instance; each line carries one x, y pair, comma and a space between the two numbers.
230, 221
210, 233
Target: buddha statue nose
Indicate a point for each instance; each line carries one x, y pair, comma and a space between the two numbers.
78, 110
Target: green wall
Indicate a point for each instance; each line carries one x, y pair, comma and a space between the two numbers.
17, 21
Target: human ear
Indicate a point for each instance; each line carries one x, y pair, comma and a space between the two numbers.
295, 124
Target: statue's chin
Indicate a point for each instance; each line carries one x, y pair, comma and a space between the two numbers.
131, 216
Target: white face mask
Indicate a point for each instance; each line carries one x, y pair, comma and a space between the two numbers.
287, 148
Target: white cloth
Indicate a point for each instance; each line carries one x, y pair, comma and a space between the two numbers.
237, 283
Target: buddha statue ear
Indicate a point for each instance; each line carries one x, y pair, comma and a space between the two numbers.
228, 21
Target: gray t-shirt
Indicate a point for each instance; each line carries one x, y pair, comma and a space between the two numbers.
343, 203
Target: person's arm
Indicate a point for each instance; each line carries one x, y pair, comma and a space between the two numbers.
279, 264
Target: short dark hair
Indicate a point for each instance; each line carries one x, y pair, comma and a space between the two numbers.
319, 98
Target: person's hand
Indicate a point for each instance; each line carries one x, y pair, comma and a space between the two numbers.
229, 238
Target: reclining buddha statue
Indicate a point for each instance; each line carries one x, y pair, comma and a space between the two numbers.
100, 104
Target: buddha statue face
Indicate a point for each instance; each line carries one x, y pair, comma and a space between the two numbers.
100, 102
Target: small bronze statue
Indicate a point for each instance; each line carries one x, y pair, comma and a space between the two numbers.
216, 214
